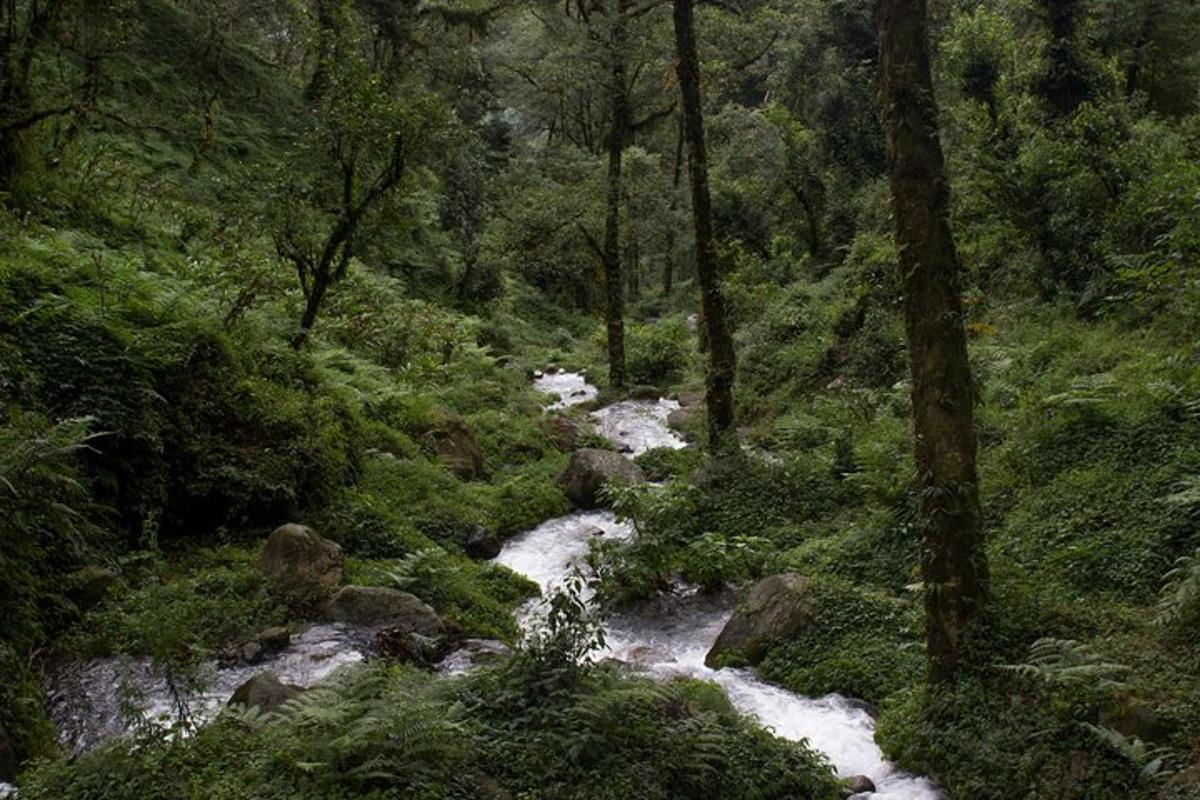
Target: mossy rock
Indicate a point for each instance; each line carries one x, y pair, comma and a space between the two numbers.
775, 609
264, 691
591, 469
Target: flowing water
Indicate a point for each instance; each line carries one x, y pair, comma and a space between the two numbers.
666, 638
671, 636
91, 701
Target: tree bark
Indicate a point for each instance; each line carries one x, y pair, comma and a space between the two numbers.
614, 305
669, 266
720, 372
953, 564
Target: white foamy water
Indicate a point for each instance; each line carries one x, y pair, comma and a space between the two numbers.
85, 699
668, 637
571, 388
671, 636
636, 426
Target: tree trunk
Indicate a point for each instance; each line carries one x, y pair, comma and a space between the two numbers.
309, 318
953, 564
614, 305
669, 267
719, 375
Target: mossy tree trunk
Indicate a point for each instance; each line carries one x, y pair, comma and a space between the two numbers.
614, 299
23, 28
720, 367
953, 564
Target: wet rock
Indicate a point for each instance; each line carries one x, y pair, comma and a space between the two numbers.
481, 545
455, 445
372, 606
857, 784
410, 647
862, 705
471, 653
563, 431
252, 652
590, 469
274, 639
647, 393
267, 642
8, 757
301, 561
264, 691
597, 531
690, 399
775, 609
88, 586
482, 650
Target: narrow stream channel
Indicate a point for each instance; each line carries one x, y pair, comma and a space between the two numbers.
666, 638
670, 638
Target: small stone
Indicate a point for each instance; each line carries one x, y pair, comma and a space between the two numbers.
252, 652
481, 545
274, 639
409, 647
856, 785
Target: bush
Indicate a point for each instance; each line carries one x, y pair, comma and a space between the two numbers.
657, 354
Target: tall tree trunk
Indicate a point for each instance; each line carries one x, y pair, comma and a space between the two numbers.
719, 375
953, 564
312, 305
614, 305
669, 266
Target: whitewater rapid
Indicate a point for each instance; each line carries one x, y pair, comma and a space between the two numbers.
670, 637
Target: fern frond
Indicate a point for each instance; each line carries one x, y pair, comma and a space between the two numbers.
1066, 662
1180, 597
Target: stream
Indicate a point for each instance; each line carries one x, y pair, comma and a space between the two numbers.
666, 638
670, 637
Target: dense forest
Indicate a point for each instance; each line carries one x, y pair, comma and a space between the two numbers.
600, 399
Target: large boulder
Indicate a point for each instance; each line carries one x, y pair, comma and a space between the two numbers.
776, 608
455, 446
689, 399
302, 563
378, 606
264, 691
590, 469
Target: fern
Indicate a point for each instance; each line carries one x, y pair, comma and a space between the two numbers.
1088, 391
1066, 663
1180, 598
1152, 762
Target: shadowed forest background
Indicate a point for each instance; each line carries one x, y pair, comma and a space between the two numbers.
297, 261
